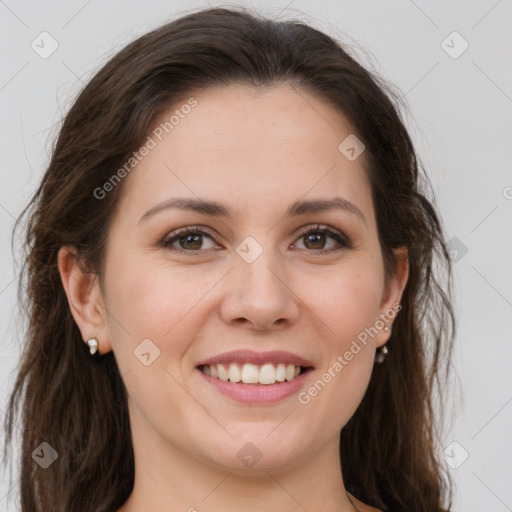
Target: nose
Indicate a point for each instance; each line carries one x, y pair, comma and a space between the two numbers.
259, 295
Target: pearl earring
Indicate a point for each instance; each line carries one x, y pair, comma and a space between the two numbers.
93, 345
381, 354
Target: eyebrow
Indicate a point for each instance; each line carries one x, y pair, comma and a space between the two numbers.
215, 209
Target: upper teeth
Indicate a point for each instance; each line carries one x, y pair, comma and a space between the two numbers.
253, 374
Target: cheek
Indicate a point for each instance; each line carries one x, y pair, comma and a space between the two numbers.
152, 312
340, 384
346, 300
347, 307
155, 302
348, 387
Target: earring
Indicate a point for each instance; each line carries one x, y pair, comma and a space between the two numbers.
381, 354
386, 328
93, 345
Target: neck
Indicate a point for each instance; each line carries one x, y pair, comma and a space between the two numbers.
168, 478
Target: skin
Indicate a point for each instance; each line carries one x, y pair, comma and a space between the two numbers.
256, 150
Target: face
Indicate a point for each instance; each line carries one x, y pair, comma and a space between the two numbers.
260, 276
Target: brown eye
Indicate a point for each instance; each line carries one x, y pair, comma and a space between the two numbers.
315, 240
188, 239
191, 239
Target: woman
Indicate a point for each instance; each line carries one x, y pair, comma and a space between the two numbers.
230, 234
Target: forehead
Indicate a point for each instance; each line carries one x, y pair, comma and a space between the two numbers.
241, 143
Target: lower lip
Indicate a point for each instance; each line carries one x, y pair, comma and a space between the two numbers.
257, 393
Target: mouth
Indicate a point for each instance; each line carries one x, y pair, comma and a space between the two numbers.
252, 374
257, 378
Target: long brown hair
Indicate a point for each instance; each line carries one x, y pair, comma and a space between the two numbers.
78, 405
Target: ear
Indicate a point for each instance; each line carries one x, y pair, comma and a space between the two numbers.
85, 299
392, 294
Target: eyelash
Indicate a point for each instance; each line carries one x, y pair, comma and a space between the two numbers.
344, 243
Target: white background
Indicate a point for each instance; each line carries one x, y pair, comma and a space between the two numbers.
460, 119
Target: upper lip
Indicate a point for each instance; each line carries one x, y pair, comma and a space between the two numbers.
257, 358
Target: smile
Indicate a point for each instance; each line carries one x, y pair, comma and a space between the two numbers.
248, 373
257, 378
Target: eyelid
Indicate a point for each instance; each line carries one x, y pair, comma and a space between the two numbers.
186, 230
332, 232
342, 240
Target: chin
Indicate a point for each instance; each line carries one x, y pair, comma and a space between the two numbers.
248, 454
